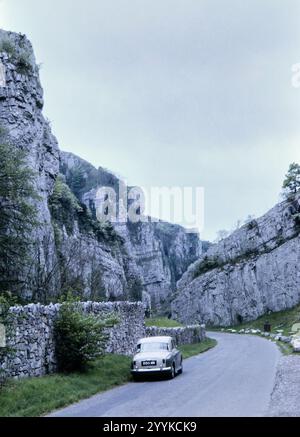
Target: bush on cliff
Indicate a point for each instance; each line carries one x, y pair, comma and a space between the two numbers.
63, 205
206, 265
18, 217
66, 208
19, 55
291, 183
80, 338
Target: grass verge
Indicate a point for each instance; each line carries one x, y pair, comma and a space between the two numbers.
162, 322
285, 348
283, 320
280, 320
34, 397
189, 350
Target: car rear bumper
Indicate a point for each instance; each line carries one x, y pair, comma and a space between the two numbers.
140, 371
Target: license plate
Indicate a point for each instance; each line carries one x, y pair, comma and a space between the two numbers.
149, 363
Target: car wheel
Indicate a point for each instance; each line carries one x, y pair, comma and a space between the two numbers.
172, 372
181, 369
136, 378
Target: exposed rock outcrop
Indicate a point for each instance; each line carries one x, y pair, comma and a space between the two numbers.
70, 250
253, 271
152, 256
21, 103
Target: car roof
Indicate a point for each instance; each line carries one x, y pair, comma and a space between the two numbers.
155, 339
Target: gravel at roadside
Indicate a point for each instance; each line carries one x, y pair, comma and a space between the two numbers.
285, 399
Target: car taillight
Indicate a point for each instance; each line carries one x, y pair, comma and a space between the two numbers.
134, 363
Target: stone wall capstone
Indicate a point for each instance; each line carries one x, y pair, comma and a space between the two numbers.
31, 335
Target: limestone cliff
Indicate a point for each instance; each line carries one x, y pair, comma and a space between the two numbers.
21, 103
253, 271
70, 249
152, 255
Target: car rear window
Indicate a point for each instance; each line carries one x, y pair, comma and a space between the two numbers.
152, 347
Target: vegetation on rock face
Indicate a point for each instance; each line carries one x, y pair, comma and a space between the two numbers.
66, 209
19, 56
135, 288
291, 183
7, 300
80, 223
17, 212
206, 265
282, 320
102, 230
80, 337
76, 180
63, 205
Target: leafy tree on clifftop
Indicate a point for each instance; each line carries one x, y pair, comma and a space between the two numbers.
291, 184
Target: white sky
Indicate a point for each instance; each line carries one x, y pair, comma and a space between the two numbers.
173, 92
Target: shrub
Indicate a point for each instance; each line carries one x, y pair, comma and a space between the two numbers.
80, 338
19, 55
7, 46
206, 265
252, 224
63, 205
135, 289
7, 300
291, 183
102, 230
65, 209
24, 63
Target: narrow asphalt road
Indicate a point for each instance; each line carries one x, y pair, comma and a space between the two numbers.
236, 378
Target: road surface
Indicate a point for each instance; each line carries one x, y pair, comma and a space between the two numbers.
235, 378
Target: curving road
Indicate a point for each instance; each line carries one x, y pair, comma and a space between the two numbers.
236, 378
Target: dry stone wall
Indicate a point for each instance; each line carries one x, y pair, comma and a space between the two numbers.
182, 335
31, 335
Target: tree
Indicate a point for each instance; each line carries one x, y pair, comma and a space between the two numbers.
17, 212
291, 183
79, 337
221, 235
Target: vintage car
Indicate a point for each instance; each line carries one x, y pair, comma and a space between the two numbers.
156, 355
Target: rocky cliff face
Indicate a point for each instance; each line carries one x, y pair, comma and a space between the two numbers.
21, 103
151, 257
70, 249
253, 271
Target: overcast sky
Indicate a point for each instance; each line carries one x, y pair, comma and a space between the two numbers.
173, 92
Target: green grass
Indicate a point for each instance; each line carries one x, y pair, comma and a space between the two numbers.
37, 396
34, 397
162, 322
285, 348
189, 350
280, 320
